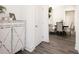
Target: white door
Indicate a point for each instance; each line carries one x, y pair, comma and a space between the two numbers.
38, 24
69, 18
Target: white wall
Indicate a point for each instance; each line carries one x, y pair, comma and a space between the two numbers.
77, 28
30, 28
18, 10
28, 13
58, 13
45, 24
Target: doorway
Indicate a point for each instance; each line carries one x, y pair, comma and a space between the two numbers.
61, 43
69, 18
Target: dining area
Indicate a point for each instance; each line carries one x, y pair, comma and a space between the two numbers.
61, 29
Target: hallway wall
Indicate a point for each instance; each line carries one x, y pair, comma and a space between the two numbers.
28, 13
77, 28
18, 10
58, 13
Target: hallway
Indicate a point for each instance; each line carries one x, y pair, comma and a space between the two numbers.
57, 45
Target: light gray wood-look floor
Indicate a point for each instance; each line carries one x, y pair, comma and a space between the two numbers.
57, 45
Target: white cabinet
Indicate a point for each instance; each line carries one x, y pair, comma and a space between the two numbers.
5, 40
18, 38
12, 37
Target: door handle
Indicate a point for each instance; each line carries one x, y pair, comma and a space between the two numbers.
36, 26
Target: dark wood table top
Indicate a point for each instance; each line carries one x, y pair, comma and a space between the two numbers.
65, 26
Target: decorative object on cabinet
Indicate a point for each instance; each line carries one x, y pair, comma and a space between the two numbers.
12, 16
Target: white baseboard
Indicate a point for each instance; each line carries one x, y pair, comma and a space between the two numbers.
30, 49
76, 48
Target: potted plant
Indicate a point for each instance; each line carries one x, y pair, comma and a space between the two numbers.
2, 9
49, 12
2, 12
